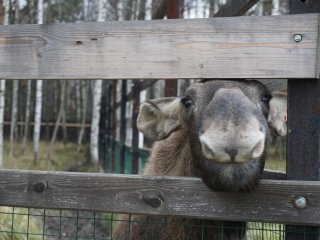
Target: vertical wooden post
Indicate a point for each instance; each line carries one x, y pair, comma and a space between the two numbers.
173, 12
303, 154
173, 9
135, 133
123, 123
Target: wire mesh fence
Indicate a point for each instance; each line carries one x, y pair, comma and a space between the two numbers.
39, 224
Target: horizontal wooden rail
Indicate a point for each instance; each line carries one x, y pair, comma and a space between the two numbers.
271, 202
233, 47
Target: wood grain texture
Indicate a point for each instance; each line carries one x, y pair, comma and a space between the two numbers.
235, 47
272, 201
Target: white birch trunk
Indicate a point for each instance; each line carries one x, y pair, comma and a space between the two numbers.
102, 12
27, 116
94, 136
14, 112
97, 85
275, 7
6, 4
37, 117
85, 7
40, 12
37, 121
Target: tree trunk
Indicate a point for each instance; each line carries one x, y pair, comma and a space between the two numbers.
84, 112
6, 4
78, 101
56, 126
212, 8
94, 136
37, 121
37, 117
97, 85
85, 7
142, 10
159, 9
14, 111
1, 12
275, 7
63, 110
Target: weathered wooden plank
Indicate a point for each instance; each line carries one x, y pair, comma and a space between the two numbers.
271, 202
235, 8
236, 47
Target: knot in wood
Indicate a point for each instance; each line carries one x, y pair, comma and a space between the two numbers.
153, 199
39, 187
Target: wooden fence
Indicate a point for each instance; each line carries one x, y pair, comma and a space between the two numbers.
285, 47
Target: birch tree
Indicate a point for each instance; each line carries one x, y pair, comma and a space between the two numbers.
96, 93
37, 117
58, 121
94, 135
14, 106
275, 7
14, 112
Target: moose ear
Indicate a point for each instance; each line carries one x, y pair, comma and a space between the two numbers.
158, 118
277, 117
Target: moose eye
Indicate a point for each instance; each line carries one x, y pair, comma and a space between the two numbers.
187, 102
266, 98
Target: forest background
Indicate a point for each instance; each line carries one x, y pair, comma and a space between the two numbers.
58, 124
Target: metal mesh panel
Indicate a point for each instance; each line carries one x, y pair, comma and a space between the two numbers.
36, 224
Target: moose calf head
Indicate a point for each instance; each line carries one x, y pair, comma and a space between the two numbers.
226, 125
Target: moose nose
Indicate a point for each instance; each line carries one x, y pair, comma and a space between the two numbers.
232, 152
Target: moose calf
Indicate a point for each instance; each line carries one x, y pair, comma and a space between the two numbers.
217, 131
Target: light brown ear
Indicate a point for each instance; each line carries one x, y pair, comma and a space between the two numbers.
158, 118
277, 117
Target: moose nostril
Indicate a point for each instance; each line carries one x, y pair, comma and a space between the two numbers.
232, 152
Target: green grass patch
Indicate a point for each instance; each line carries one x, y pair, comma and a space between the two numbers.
64, 157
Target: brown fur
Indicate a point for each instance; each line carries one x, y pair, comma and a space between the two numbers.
178, 129
170, 157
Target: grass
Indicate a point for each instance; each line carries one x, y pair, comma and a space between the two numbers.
276, 155
64, 157
15, 224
